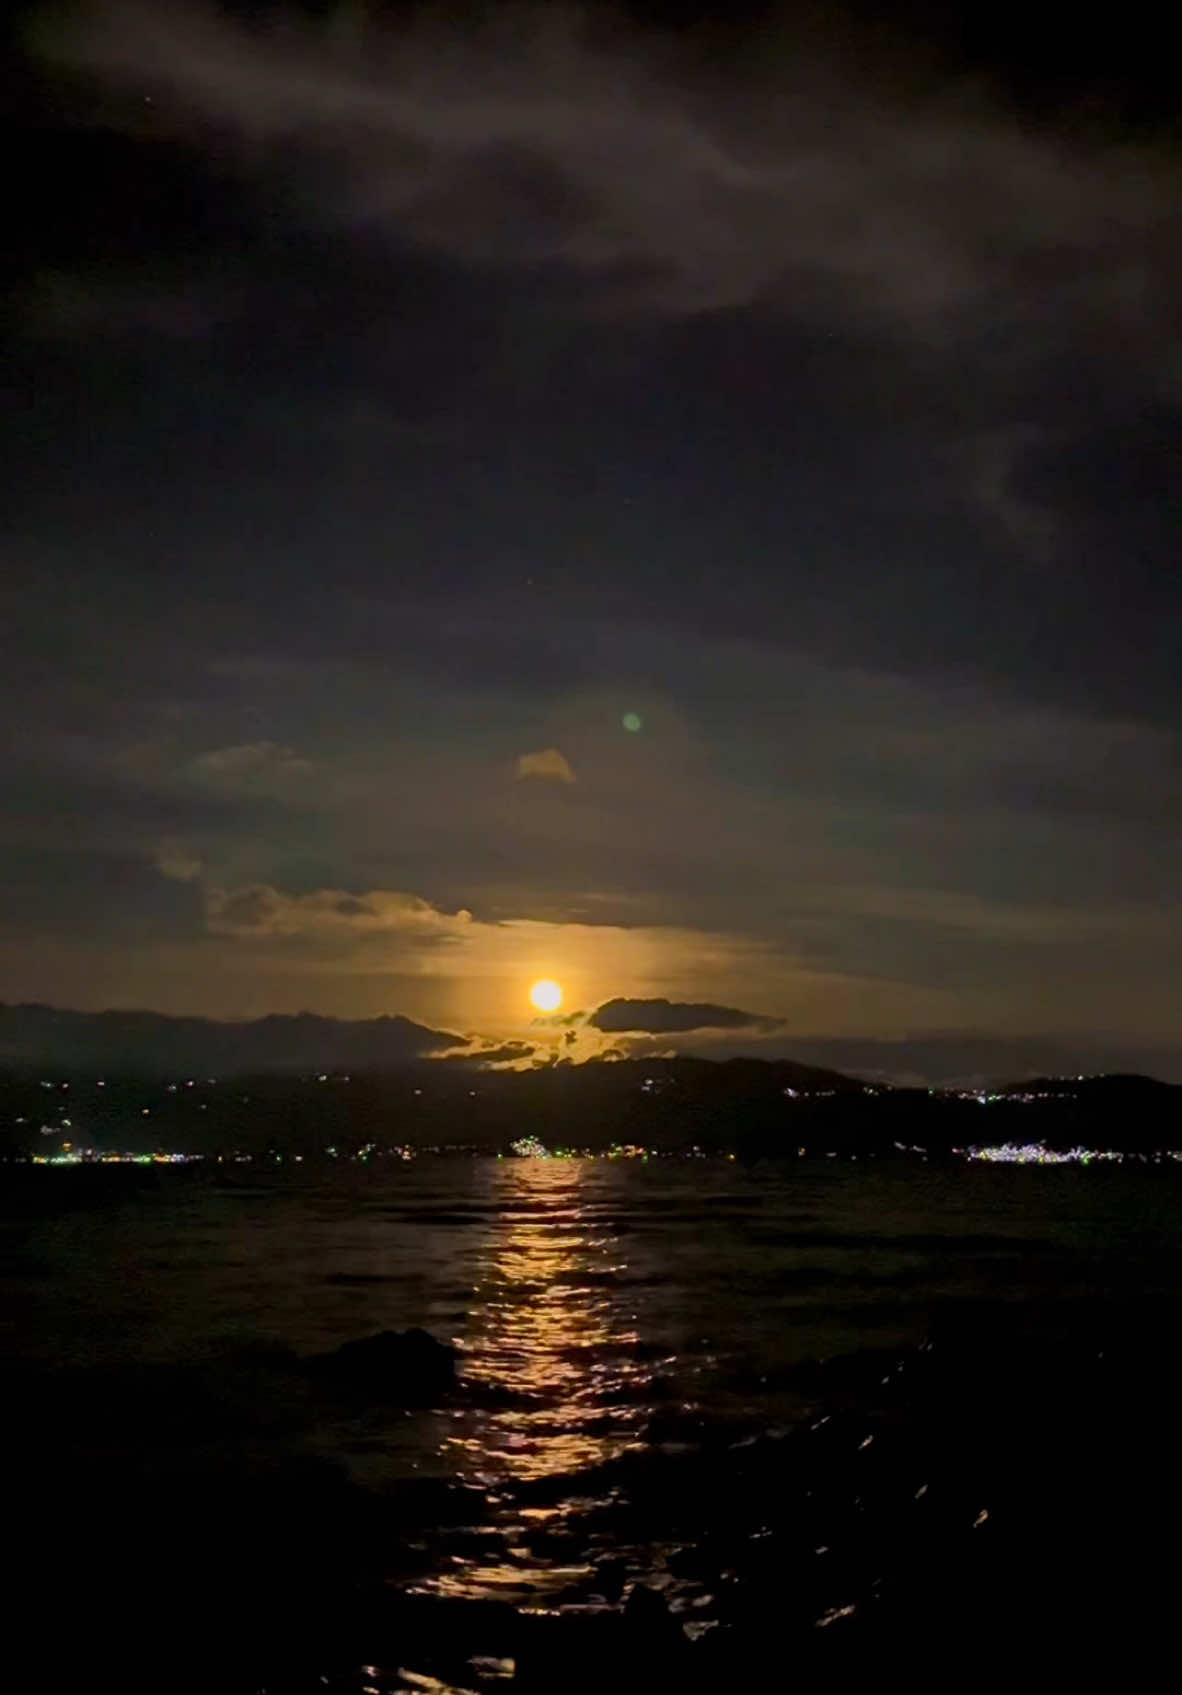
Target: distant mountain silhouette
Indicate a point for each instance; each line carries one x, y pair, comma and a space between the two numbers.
1100, 1088
150, 1043
660, 1017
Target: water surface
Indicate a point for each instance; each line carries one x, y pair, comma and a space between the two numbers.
624, 1329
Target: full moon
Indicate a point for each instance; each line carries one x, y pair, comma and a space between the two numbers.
546, 995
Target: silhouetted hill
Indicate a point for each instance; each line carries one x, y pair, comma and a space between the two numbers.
1113, 1110
151, 1044
423, 1101
1105, 1086
143, 1082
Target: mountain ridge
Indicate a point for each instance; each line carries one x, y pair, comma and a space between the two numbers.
157, 1043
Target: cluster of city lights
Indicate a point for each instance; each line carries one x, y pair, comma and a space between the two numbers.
1037, 1153
91, 1156
530, 1147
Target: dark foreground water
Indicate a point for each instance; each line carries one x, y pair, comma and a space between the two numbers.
714, 1427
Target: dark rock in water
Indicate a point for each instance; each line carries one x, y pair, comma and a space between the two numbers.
573, 1651
637, 1648
647, 1610
407, 1366
610, 1577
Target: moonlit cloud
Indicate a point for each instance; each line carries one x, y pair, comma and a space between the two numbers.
259, 910
549, 765
175, 863
249, 763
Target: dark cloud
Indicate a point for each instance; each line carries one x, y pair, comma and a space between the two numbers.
618, 1016
72, 889
963, 306
501, 1053
559, 1020
549, 142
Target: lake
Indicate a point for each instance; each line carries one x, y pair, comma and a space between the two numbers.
683, 1385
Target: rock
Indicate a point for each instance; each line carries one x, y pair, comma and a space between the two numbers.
579, 1652
646, 1609
610, 1576
406, 1366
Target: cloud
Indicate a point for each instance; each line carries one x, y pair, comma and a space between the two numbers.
548, 764
663, 1016
260, 910
250, 764
92, 305
176, 863
559, 1020
547, 142
984, 282
935, 911
498, 1054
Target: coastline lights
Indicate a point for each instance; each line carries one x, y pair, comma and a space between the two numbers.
88, 1156
530, 1147
1037, 1153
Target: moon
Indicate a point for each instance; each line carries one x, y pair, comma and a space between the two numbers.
546, 995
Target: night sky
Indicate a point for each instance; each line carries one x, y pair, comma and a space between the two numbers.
685, 508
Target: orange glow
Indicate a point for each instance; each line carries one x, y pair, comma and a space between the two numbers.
550, 1334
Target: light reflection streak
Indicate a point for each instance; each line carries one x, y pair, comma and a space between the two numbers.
549, 1335
545, 1328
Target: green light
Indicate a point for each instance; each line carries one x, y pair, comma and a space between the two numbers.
632, 721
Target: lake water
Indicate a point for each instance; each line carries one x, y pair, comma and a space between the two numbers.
641, 1398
